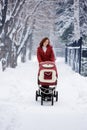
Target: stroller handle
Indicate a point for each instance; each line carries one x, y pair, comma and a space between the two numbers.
47, 62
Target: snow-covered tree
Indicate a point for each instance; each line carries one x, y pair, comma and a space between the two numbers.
8, 26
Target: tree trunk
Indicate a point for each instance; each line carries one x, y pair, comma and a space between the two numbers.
4, 10
30, 48
76, 20
23, 54
13, 63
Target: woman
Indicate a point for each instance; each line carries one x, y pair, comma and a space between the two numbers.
45, 51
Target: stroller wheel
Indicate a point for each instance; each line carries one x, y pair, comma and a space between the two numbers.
41, 100
52, 98
39, 92
56, 95
36, 95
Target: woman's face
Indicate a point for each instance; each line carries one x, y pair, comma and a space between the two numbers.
46, 43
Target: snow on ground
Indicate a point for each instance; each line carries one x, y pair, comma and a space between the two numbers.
20, 111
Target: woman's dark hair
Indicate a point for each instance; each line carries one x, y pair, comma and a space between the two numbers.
43, 40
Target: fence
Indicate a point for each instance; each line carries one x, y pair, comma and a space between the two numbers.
59, 52
76, 57
84, 61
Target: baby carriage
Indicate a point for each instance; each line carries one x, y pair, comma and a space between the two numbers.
47, 82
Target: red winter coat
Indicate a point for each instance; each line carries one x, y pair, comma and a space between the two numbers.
45, 56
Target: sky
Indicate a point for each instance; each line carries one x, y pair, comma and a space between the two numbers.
20, 111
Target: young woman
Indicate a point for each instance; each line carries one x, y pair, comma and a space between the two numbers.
45, 51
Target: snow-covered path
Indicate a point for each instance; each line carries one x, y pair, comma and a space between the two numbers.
20, 111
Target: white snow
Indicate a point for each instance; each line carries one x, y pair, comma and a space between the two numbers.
20, 111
